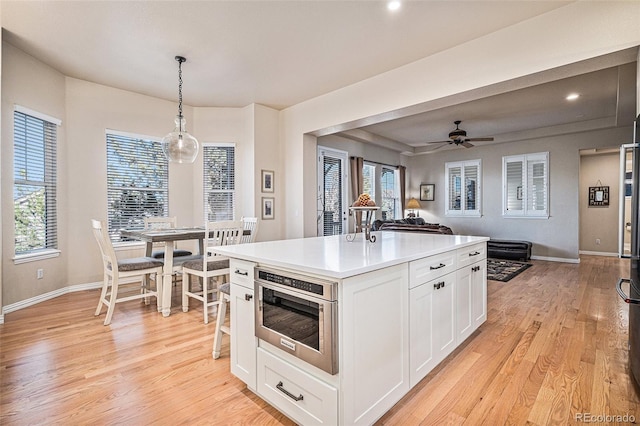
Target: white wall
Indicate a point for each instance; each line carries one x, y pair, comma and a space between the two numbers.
578, 31
556, 237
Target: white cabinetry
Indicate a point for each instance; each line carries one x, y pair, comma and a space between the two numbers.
431, 324
243, 340
374, 343
471, 291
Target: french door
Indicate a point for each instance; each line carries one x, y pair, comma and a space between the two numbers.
332, 192
626, 181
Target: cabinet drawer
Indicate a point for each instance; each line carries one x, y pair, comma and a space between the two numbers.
241, 272
471, 254
299, 395
432, 267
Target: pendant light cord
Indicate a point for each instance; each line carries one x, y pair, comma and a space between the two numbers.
180, 60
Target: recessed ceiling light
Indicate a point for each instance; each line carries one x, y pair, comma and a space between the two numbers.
572, 96
393, 5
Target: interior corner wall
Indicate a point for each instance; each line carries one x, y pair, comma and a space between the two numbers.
554, 238
587, 30
599, 223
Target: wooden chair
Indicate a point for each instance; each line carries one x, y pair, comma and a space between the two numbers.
210, 266
224, 295
115, 270
250, 224
160, 222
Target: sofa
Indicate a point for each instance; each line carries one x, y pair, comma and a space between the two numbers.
410, 224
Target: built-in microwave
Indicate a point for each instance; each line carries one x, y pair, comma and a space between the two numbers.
298, 314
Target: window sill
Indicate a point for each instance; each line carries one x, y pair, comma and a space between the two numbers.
34, 257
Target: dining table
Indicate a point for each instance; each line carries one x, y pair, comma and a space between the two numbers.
168, 236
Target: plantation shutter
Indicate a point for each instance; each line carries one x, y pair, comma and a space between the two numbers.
219, 181
515, 185
537, 190
137, 182
35, 181
454, 189
471, 188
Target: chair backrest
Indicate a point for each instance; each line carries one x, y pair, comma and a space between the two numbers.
221, 233
109, 260
161, 222
250, 224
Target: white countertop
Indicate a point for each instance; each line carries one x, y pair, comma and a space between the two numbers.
335, 257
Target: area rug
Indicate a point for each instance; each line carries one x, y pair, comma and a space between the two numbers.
504, 270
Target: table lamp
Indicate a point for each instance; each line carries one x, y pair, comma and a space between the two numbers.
412, 205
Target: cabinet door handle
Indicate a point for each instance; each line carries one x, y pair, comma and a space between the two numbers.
439, 285
281, 388
474, 253
442, 265
475, 268
248, 297
239, 272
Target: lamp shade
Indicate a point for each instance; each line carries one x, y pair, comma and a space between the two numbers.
179, 146
413, 204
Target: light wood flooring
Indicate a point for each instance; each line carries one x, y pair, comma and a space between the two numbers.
554, 346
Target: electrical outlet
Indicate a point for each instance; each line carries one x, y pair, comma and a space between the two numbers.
40, 274
598, 241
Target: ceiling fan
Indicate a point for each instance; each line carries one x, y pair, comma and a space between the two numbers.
459, 137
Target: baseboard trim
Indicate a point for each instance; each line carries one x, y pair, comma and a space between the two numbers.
598, 253
556, 259
47, 296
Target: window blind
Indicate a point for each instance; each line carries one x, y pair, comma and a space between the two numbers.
137, 182
537, 185
332, 208
219, 181
471, 187
35, 181
390, 194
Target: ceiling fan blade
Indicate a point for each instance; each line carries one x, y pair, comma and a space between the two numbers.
466, 144
449, 141
479, 139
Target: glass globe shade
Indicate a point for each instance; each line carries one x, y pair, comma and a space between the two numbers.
179, 146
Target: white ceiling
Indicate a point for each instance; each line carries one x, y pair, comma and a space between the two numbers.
280, 53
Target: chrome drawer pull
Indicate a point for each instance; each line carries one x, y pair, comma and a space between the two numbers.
474, 254
281, 388
442, 265
239, 272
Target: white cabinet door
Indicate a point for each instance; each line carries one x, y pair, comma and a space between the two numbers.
243, 340
464, 319
471, 299
444, 317
374, 343
421, 351
479, 293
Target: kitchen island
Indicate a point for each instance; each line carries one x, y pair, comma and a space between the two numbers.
401, 305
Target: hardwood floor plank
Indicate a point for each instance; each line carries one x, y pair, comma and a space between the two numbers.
554, 346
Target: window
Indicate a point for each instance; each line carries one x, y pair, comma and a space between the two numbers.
390, 193
463, 188
137, 181
368, 181
219, 181
34, 188
525, 189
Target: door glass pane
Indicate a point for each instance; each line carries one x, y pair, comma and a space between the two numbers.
626, 225
332, 218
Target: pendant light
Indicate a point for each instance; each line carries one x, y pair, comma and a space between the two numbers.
179, 146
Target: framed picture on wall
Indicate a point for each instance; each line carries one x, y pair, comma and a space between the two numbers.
427, 191
267, 181
267, 208
598, 196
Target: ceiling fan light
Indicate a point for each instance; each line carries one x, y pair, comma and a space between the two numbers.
179, 146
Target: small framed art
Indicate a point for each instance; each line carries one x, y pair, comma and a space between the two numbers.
267, 181
598, 196
427, 191
268, 208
